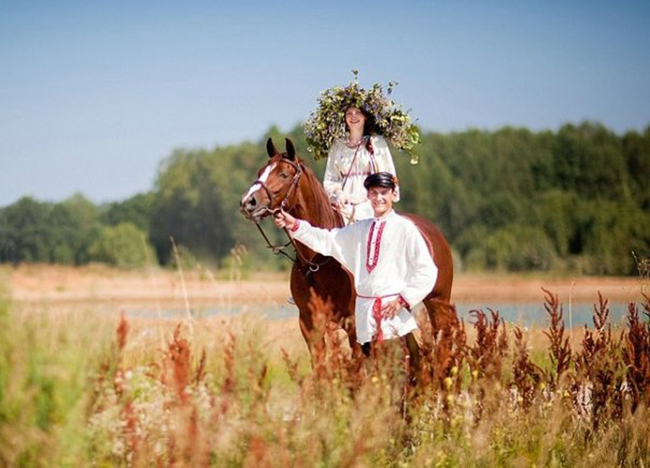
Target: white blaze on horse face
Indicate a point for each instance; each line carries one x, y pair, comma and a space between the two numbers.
256, 186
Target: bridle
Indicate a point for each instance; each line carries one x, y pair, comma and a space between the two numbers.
279, 249
292, 188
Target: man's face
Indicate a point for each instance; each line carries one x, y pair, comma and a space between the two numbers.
381, 199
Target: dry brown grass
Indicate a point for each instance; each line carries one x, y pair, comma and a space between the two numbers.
244, 391
489, 384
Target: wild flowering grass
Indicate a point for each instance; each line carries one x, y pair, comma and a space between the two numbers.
81, 389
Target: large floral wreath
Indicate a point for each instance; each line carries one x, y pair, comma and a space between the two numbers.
328, 122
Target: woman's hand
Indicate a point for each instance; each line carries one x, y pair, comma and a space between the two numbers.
284, 220
391, 309
339, 199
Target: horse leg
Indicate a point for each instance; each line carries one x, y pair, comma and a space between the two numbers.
351, 330
442, 314
306, 328
314, 333
314, 336
413, 355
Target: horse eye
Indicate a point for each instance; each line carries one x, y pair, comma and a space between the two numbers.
284, 175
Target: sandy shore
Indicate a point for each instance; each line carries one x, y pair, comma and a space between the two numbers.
38, 283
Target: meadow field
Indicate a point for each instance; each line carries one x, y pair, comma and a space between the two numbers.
87, 378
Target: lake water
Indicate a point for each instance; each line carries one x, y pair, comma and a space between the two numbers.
530, 314
533, 314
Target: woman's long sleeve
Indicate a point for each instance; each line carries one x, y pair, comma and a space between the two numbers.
333, 179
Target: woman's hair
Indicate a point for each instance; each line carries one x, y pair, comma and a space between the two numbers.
369, 127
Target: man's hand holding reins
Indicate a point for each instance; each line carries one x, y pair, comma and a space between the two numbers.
284, 220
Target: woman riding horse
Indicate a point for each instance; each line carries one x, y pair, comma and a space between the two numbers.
352, 127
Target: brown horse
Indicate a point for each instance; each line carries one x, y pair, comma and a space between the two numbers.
285, 182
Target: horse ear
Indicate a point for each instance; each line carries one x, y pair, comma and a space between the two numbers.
270, 148
291, 151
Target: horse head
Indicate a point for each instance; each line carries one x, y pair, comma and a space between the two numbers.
276, 184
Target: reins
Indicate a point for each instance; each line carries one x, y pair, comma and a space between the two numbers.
276, 249
279, 249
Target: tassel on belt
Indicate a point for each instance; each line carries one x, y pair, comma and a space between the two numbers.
376, 312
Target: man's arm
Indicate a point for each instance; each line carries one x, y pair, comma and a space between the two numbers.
422, 270
421, 276
337, 243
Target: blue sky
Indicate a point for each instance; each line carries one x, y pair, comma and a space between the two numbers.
93, 95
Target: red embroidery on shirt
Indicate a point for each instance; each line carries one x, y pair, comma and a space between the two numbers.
373, 257
404, 302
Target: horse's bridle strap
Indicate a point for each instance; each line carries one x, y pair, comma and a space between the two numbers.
294, 184
278, 249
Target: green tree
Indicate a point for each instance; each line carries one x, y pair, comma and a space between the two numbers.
614, 231
136, 210
514, 248
589, 161
76, 227
556, 212
188, 208
123, 245
636, 151
508, 199
23, 228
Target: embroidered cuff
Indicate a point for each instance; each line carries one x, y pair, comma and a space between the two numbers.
404, 302
296, 225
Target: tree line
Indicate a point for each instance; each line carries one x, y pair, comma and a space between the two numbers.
575, 200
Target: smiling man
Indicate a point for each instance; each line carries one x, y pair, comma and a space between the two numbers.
392, 267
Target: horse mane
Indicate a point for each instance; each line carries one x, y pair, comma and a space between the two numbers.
323, 214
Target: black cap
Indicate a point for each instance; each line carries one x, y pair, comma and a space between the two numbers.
380, 179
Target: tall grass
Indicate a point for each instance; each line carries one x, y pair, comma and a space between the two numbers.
79, 389
45, 361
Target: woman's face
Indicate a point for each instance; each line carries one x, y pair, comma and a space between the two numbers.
355, 119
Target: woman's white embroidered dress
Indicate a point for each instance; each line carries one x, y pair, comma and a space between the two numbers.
387, 257
341, 160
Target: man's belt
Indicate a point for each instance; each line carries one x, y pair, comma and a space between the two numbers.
376, 310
